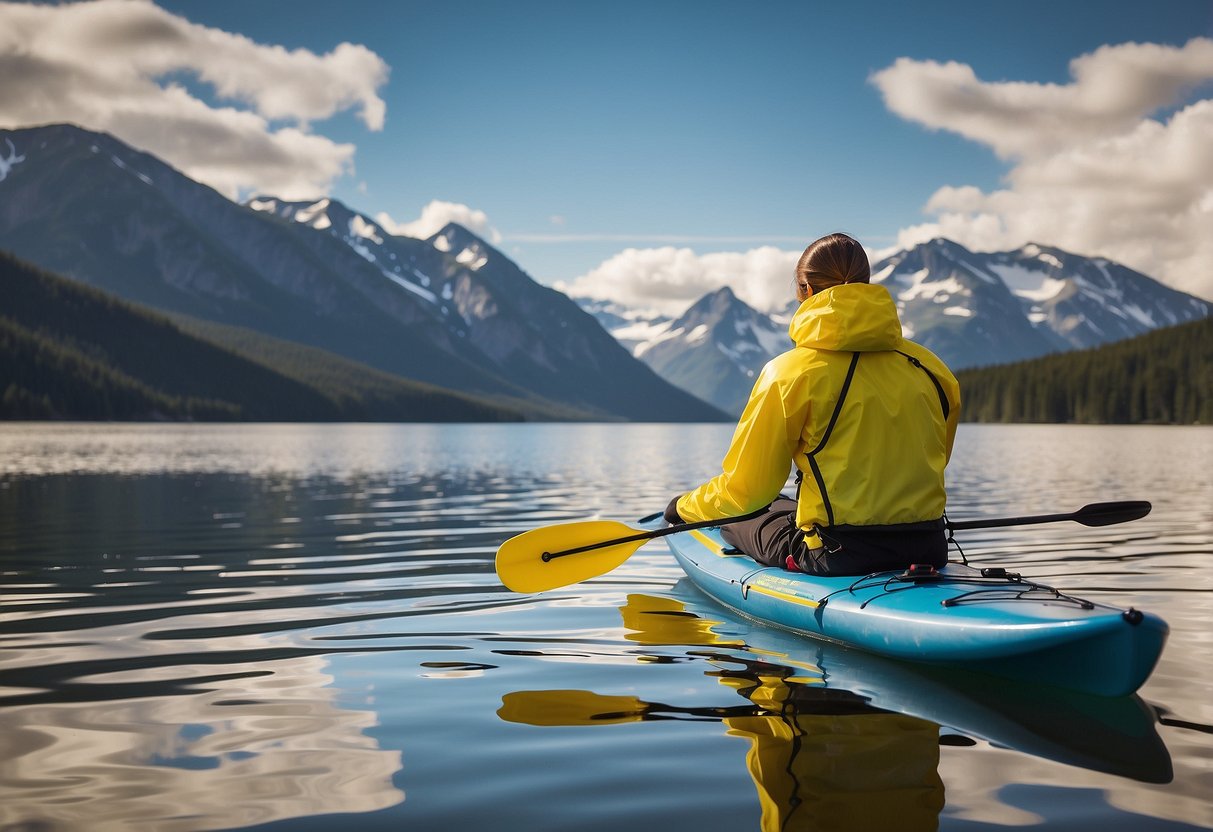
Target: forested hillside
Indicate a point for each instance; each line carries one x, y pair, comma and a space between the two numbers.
1165, 377
69, 351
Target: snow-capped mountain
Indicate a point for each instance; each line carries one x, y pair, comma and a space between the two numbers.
451, 311
975, 309
971, 309
395, 258
713, 350
530, 334
1090, 301
630, 327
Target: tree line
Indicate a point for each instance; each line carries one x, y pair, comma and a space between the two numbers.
69, 351
1161, 377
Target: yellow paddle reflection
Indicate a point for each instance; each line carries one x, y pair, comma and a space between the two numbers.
819, 757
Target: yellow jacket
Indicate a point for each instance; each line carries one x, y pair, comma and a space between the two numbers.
885, 457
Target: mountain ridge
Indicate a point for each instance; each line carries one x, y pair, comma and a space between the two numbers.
73, 351
88, 206
970, 308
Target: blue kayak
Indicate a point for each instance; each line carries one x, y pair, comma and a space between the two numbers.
979, 619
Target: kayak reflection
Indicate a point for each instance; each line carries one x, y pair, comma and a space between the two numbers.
841, 738
819, 758
1114, 735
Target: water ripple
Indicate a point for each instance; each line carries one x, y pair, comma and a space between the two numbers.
212, 628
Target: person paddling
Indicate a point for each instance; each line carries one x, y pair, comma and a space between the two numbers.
867, 417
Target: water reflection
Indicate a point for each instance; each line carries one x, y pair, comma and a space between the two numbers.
819, 758
242, 748
841, 738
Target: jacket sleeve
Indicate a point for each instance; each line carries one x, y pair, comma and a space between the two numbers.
759, 458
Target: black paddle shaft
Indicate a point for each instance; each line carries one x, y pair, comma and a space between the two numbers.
1095, 514
652, 535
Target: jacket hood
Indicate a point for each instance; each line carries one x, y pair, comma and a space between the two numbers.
853, 317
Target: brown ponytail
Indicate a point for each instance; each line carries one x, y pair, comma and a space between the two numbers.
831, 261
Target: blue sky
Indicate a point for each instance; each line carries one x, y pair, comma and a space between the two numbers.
697, 119
582, 129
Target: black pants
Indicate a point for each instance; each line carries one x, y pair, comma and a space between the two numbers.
848, 550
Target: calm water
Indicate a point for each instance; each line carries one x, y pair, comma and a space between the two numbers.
299, 627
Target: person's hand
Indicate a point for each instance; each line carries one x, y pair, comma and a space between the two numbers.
671, 512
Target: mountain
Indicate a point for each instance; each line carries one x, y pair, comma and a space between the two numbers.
630, 327
70, 351
713, 350
971, 309
531, 334
981, 309
449, 311
1164, 376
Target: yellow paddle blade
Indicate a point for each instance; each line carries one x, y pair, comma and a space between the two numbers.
521, 567
569, 707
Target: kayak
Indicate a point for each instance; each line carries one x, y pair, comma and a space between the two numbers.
988, 620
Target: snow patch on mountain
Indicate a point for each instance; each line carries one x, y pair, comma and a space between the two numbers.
1027, 283
359, 227
424, 294
772, 340
663, 334
939, 290
315, 215
473, 257
981, 274
1140, 315
883, 275
8, 162
641, 334
143, 177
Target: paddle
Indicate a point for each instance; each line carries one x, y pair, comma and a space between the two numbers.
1095, 514
568, 553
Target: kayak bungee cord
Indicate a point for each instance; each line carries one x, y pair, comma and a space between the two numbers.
1017, 589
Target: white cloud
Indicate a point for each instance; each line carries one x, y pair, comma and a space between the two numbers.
1095, 169
1114, 87
434, 218
670, 279
107, 65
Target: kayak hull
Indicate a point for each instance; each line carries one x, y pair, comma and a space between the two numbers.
1005, 626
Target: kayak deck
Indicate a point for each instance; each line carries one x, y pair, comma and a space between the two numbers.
980, 619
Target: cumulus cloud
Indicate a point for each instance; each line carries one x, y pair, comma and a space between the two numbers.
434, 218
107, 65
670, 279
1097, 165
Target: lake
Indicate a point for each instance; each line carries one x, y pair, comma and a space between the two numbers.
299, 627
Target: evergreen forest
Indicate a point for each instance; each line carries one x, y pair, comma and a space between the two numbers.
69, 351
1162, 377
